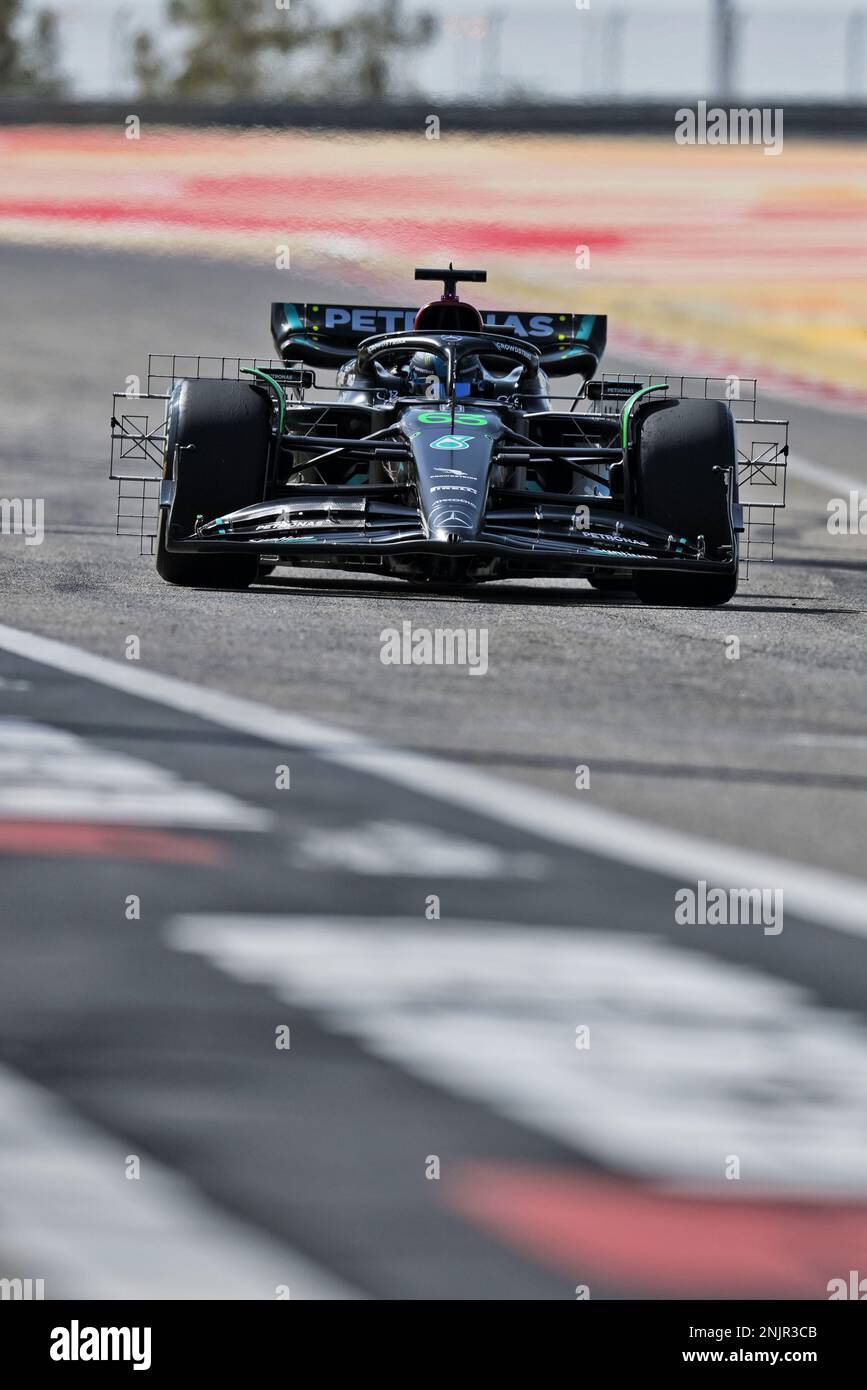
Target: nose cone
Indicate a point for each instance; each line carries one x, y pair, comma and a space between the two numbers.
453, 463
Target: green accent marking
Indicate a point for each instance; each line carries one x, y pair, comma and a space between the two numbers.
281, 395
443, 417
624, 418
452, 441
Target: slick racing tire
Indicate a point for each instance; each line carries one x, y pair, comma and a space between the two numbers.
218, 437
684, 455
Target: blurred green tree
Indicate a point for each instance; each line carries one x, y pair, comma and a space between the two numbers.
361, 52
9, 45
29, 60
234, 50
228, 41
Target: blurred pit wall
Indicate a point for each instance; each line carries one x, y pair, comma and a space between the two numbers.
720, 258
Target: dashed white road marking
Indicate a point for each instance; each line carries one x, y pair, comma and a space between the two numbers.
395, 849
831, 899
70, 1216
49, 774
690, 1060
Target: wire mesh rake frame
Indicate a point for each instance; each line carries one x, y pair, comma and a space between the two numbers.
138, 438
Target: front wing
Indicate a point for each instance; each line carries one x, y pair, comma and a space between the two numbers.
325, 524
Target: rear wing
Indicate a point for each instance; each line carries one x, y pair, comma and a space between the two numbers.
328, 335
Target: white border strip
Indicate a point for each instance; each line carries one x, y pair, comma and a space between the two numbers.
817, 475
70, 1216
830, 899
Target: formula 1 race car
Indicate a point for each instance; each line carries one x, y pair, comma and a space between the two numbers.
440, 455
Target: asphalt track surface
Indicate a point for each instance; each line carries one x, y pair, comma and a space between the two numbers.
413, 1038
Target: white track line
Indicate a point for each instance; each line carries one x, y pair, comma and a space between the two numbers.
828, 898
69, 1215
817, 475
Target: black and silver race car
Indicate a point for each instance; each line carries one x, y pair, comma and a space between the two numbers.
439, 455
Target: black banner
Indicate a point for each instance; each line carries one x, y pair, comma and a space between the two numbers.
159, 1340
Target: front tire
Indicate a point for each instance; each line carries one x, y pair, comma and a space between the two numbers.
203, 571
684, 453
218, 440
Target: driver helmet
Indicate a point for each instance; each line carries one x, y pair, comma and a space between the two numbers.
470, 374
426, 374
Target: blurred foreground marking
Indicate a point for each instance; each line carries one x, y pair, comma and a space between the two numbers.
832, 899
691, 1058
69, 1216
653, 1241
395, 849
85, 840
51, 775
